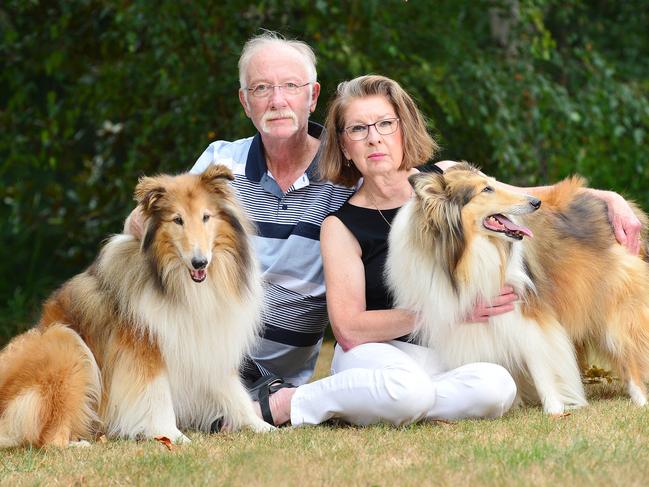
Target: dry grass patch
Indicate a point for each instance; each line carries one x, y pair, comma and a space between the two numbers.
604, 444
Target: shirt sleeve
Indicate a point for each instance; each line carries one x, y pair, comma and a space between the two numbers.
219, 152
204, 161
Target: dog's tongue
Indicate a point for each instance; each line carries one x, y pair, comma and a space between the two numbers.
511, 226
198, 275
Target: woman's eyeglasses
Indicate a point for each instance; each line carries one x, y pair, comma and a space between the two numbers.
360, 131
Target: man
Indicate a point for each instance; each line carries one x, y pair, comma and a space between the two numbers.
276, 182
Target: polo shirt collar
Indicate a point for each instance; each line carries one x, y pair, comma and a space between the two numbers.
256, 161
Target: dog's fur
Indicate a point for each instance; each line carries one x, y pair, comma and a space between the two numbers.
576, 283
148, 340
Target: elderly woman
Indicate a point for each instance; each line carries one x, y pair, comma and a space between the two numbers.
375, 132
376, 137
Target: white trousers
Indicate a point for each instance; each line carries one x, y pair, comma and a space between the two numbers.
400, 383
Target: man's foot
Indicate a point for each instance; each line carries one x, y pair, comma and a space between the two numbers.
273, 407
280, 406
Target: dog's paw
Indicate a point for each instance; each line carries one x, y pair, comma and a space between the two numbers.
176, 437
553, 407
181, 440
265, 428
261, 426
637, 395
255, 424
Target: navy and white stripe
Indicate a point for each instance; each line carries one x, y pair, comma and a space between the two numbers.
288, 247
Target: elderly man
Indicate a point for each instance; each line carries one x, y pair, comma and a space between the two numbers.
276, 182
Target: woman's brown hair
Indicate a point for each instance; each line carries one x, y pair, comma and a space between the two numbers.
418, 145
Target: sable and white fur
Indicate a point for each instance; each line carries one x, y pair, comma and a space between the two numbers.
148, 340
462, 237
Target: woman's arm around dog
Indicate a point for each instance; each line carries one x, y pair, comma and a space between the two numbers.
351, 322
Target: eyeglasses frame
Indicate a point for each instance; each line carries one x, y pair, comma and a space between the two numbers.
368, 125
281, 87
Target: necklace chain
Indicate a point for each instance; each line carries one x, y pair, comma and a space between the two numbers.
377, 209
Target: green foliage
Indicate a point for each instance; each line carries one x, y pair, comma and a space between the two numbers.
94, 94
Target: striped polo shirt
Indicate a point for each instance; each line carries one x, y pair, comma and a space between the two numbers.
287, 244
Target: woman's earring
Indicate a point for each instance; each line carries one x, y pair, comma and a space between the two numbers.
348, 163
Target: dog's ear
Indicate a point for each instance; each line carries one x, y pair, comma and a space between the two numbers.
148, 193
427, 185
431, 191
465, 166
440, 216
215, 177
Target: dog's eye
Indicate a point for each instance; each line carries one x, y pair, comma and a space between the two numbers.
205, 218
488, 189
178, 221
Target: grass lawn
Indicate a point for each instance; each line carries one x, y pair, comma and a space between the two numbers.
606, 443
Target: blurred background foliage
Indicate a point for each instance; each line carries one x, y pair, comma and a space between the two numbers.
95, 93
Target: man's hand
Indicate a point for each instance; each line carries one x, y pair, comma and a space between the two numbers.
135, 223
503, 303
626, 225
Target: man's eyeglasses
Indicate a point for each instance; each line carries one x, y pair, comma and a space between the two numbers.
360, 131
262, 90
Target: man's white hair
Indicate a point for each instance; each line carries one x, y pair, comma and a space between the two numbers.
271, 38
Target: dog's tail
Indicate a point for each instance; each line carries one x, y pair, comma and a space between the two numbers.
50, 387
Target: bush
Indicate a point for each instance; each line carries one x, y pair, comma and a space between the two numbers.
94, 94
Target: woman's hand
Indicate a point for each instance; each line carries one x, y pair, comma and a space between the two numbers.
503, 303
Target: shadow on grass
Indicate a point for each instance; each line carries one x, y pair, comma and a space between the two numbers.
606, 391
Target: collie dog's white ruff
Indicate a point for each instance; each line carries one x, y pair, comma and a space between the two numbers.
452, 245
147, 341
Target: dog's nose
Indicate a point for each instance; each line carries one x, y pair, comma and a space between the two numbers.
199, 263
535, 202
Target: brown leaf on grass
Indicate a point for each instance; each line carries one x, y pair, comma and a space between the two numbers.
560, 416
165, 441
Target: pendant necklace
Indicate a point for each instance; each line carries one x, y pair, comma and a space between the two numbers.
377, 209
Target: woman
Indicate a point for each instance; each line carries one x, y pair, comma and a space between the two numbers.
375, 132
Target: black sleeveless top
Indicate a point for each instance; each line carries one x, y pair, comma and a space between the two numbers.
371, 231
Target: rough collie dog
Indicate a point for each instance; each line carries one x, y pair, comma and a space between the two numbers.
462, 237
148, 340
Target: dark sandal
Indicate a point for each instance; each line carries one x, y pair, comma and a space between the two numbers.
265, 387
